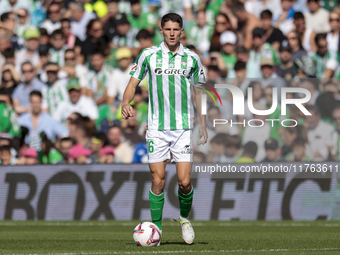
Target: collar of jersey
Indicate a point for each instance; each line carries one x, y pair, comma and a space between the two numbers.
166, 50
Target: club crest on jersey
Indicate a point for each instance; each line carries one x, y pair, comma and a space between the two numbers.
171, 71
134, 67
187, 150
184, 63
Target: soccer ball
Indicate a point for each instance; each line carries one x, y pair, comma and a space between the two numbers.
146, 234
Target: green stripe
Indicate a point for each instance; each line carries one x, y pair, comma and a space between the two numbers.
184, 93
150, 86
195, 71
172, 94
142, 70
159, 62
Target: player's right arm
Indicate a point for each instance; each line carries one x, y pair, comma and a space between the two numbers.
127, 98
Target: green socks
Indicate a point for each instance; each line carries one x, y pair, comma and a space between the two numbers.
185, 202
156, 208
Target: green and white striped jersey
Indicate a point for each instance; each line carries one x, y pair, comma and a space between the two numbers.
330, 60
169, 77
55, 94
99, 81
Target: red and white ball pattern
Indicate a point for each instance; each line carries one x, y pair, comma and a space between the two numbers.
146, 234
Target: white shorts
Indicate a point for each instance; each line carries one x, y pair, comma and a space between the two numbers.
161, 142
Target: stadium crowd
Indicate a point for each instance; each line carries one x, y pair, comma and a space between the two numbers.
65, 65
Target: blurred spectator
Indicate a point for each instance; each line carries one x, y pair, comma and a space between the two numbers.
56, 92
199, 32
181, 7
326, 62
273, 35
21, 95
260, 50
326, 104
30, 51
10, 80
22, 24
233, 148
141, 106
312, 85
199, 157
286, 67
295, 44
333, 34
123, 151
99, 78
335, 150
288, 136
218, 148
58, 47
8, 119
107, 155
317, 18
9, 55
299, 151
72, 41
122, 76
273, 151
222, 24
75, 70
249, 153
96, 39
319, 134
78, 103
44, 40
48, 154
332, 87
98, 141
6, 156
78, 154
257, 7
247, 22
53, 18
80, 19
125, 35
306, 34
284, 21
38, 121
144, 39
228, 41
140, 19
13, 5
39, 13
83, 132
66, 144
110, 24
29, 156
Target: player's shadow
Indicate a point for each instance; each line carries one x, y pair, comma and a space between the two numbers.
181, 243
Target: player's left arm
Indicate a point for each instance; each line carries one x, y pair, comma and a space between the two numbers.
198, 79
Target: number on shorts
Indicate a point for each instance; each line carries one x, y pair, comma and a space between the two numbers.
150, 146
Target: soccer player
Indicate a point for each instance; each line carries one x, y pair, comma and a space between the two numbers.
170, 70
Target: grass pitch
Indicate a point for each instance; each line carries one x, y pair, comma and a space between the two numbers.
212, 237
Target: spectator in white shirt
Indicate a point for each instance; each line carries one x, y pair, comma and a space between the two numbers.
333, 35
78, 103
121, 75
30, 52
317, 18
80, 19
73, 69
319, 134
54, 16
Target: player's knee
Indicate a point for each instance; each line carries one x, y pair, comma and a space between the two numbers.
184, 186
158, 186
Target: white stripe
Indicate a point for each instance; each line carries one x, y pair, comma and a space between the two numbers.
166, 98
154, 122
178, 94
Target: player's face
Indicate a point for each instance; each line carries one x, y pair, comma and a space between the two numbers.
171, 32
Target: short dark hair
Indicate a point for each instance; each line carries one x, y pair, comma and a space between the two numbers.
319, 37
65, 20
5, 148
102, 137
98, 52
266, 14
36, 93
143, 34
5, 16
213, 68
51, 63
174, 17
240, 65
298, 15
57, 32
220, 138
313, 108
298, 141
237, 6
9, 53
250, 148
43, 31
132, 2
69, 50
234, 141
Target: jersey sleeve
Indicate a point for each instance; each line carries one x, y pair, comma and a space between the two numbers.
197, 73
139, 68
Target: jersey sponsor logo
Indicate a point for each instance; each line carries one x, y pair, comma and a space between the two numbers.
134, 67
159, 71
187, 150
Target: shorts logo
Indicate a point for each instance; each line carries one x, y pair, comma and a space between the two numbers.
187, 150
134, 67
